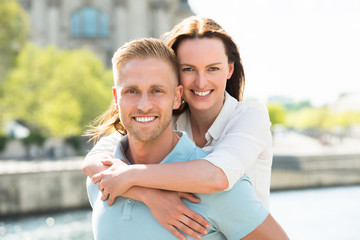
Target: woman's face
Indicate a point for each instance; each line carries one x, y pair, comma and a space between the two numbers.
204, 70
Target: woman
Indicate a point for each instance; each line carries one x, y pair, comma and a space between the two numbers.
235, 134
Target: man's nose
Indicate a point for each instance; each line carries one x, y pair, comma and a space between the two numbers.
144, 103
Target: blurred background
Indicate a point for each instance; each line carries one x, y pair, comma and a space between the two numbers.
301, 59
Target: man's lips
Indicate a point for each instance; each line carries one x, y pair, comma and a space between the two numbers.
145, 119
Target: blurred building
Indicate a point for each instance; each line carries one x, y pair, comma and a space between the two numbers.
101, 25
347, 102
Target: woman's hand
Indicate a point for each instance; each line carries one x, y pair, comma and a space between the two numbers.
171, 212
166, 206
93, 165
112, 181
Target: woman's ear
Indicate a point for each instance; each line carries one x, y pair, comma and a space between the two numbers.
231, 70
178, 94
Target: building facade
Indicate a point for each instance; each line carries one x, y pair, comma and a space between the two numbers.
101, 25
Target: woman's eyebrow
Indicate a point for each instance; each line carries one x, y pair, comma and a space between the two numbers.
190, 65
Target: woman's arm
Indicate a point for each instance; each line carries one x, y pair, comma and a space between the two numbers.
245, 145
244, 142
247, 136
196, 176
103, 150
92, 163
268, 230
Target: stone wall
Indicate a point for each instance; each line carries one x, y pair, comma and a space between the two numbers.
43, 187
295, 172
35, 187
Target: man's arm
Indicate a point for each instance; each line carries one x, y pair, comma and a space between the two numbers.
268, 230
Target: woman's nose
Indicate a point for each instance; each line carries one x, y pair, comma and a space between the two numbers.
201, 80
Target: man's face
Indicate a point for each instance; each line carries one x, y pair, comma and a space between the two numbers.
146, 94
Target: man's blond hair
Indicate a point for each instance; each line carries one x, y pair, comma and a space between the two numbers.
144, 49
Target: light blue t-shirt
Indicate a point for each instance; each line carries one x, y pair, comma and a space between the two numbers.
231, 214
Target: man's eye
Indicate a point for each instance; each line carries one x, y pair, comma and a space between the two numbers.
131, 91
156, 91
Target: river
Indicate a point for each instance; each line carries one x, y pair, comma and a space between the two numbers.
327, 213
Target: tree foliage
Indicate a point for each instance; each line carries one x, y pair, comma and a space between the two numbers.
321, 118
277, 114
13, 34
56, 91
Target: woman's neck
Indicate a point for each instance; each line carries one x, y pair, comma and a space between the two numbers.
201, 121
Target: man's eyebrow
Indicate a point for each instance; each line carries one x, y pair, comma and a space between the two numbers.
157, 86
138, 87
129, 86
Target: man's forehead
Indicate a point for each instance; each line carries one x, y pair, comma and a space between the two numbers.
143, 85
150, 71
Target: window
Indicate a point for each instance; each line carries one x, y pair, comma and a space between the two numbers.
89, 22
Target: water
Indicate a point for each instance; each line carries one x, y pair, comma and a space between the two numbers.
329, 213
75, 225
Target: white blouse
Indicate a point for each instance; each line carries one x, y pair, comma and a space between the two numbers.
239, 141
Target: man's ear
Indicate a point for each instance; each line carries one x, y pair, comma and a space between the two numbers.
178, 94
231, 70
115, 97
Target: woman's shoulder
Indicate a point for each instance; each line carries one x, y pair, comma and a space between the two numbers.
252, 106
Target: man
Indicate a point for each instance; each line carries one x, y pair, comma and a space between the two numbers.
146, 91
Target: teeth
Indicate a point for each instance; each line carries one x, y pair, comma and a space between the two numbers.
202, 93
144, 119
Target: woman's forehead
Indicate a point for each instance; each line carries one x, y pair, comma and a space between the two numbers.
204, 49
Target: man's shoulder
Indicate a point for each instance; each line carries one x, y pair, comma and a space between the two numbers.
198, 153
187, 145
185, 150
237, 211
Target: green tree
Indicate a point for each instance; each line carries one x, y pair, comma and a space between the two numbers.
277, 114
13, 34
57, 91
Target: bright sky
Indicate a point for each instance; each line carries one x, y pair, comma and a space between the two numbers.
303, 49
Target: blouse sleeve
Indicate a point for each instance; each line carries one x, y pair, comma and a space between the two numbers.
245, 144
106, 144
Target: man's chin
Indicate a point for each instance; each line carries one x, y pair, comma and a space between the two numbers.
144, 137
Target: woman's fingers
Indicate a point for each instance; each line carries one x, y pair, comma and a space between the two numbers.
105, 195
107, 162
100, 187
175, 232
111, 200
195, 221
183, 226
189, 196
96, 178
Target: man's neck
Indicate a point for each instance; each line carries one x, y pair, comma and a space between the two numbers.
151, 152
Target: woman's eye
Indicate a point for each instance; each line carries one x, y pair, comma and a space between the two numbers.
213, 69
187, 69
